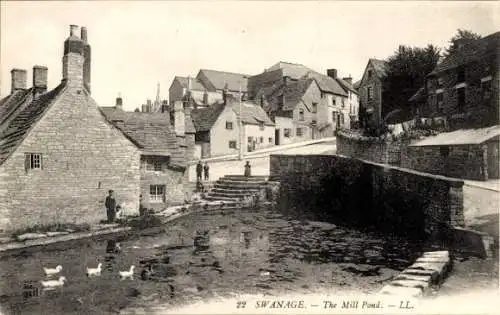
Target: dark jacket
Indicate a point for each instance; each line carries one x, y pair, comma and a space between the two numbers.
110, 203
199, 168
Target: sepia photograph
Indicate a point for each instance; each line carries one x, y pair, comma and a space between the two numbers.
249, 157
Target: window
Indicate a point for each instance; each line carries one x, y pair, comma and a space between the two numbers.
369, 93
261, 139
486, 89
281, 100
461, 98
154, 163
232, 144
440, 101
314, 108
440, 83
287, 132
333, 101
313, 122
301, 114
369, 74
250, 139
461, 74
299, 132
261, 126
229, 125
33, 161
270, 140
157, 193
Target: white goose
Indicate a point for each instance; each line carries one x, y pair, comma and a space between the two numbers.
52, 271
53, 283
94, 271
127, 274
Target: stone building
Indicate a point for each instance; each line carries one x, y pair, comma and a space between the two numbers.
371, 92
304, 103
164, 152
218, 130
464, 87
58, 155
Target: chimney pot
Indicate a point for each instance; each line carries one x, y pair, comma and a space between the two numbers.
149, 102
18, 79
119, 101
83, 32
73, 30
332, 73
40, 77
348, 79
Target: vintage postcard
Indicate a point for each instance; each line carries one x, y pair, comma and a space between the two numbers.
249, 157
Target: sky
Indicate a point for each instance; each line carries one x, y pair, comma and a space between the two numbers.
136, 45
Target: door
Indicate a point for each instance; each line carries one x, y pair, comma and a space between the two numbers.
277, 137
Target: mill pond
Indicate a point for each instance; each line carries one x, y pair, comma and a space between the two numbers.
202, 256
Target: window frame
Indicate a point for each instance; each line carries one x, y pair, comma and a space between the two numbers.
34, 161
314, 107
157, 197
299, 132
153, 164
229, 124
301, 114
461, 104
287, 132
230, 144
369, 93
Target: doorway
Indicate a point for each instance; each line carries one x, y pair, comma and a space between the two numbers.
277, 137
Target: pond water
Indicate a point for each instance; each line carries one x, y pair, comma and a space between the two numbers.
204, 255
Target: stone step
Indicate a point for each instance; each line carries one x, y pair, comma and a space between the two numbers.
425, 278
229, 195
401, 291
242, 182
235, 191
261, 177
434, 275
210, 197
244, 179
225, 185
424, 286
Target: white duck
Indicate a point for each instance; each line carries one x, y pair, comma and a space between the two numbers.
53, 283
127, 274
94, 271
52, 271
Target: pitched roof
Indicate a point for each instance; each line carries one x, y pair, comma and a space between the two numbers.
13, 103
418, 96
218, 79
16, 129
292, 70
205, 118
473, 51
292, 92
151, 132
381, 67
460, 137
346, 85
195, 84
356, 84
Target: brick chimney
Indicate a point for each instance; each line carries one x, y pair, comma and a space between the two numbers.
86, 56
332, 73
119, 102
348, 79
40, 78
73, 59
18, 79
179, 118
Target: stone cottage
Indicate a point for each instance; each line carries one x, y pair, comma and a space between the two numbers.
371, 92
59, 156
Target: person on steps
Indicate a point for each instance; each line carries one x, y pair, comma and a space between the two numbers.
205, 170
199, 170
248, 169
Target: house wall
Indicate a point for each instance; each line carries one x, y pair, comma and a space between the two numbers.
463, 161
376, 102
256, 133
353, 103
352, 192
477, 112
212, 97
220, 136
283, 123
175, 92
83, 157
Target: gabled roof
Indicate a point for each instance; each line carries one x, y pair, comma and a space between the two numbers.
16, 129
473, 51
460, 137
292, 70
219, 79
418, 96
346, 85
13, 103
151, 132
205, 118
292, 92
195, 84
381, 67
356, 84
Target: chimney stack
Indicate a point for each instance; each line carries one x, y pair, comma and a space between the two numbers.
73, 59
73, 30
119, 102
18, 79
189, 83
179, 118
348, 79
83, 33
40, 78
86, 56
332, 73
225, 94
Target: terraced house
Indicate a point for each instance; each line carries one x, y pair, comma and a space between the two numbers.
303, 103
58, 154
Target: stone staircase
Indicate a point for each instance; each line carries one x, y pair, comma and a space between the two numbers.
236, 187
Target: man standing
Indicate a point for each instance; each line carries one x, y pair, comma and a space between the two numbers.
205, 170
199, 170
111, 206
248, 169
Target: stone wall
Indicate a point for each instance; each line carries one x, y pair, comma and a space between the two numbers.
366, 194
378, 150
460, 161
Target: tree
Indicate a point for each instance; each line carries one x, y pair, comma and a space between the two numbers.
137, 110
460, 36
407, 71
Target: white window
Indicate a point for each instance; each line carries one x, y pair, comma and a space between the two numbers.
33, 161
299, 132
270, 140
157, 193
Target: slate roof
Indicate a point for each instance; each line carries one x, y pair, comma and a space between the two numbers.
252, 114
151, 132
381, 67
195, 84
460, 137
12, 103
356, 84
218, 79
292, 92
473, 51
346, 85
15, 130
